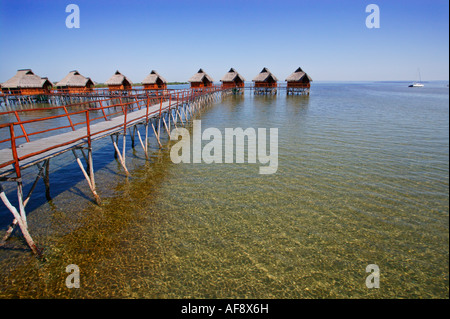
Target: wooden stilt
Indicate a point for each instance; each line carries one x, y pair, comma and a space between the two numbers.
90, 181
124, 142
120, 156
91, 176
168, 120
184, 112
47, 180
20, 220
159, 127
180, 117
165, 125
132, 134
156, 134
146, 139
142, 144
117, 139
173, 119
86, 160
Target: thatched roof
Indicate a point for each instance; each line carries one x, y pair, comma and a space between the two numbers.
118, 79
75, 79
231, 76
264, 75
298, 76
26, 79
152, 78
200, 76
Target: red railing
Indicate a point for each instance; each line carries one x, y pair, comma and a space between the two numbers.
265, 85
85, 92
84, 114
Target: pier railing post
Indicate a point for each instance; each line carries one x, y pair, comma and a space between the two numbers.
19, 217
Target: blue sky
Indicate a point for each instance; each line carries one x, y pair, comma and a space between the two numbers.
327, 38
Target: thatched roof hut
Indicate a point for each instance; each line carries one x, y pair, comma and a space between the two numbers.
298, 79
154, 81
232, 79
201, 79
119, 82
75, 82
26, 82
265, 78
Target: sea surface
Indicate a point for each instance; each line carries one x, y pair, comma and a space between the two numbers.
362, 179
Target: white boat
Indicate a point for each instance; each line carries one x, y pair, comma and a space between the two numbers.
417, 84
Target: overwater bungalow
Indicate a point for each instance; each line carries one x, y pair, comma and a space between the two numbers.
74, 82
232, 79
299, 79
265, 79
201, 80
298, 82
154, 81
25, 82
119, 82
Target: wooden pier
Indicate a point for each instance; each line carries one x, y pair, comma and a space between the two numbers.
60, 97
87, 122
94, 114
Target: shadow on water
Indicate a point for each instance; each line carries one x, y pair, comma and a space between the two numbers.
111, 244
232, 101
65, 175
300, 102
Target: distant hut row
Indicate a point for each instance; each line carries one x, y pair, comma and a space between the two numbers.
265, 79
25, 82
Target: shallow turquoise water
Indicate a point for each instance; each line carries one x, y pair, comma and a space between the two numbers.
363, 178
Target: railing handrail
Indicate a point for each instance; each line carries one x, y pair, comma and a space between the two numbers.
125, 107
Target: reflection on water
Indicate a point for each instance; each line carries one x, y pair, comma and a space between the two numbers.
362, 179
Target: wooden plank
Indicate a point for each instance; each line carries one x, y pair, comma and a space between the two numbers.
98, 130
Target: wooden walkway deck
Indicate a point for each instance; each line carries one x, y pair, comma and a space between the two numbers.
148, 110
39, 150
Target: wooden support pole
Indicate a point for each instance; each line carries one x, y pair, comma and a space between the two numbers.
146, 139
88, 179
91, 176
180, 117
173, 119
22, 223
165, 125
132, 134
120, 156
168, 120
86, 159
124, 141
142, 144
117, 140
47, 180
25, 202
184, 112
156, 134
